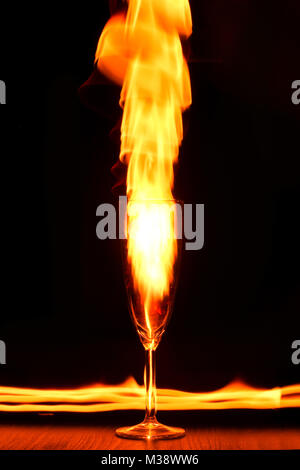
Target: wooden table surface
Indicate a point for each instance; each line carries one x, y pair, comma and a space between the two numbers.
239, 430
88, 438
203, 432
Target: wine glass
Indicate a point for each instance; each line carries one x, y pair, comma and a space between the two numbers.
151, 254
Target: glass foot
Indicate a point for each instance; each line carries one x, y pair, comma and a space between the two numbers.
150, 431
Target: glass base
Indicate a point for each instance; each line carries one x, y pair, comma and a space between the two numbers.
152, 430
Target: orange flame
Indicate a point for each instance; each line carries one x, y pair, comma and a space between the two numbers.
130, 396
142, 52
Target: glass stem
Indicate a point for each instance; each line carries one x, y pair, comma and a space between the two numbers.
150, 386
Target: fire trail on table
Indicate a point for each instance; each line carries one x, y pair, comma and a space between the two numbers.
130, 396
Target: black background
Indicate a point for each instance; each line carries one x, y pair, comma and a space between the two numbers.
64, 313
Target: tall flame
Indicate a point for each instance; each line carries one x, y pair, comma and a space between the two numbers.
141, 50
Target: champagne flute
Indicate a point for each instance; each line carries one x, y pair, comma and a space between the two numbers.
151, 254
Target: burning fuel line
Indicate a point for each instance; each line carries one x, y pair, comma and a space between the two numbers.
130, 396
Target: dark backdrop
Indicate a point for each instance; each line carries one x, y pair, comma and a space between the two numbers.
64, 312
